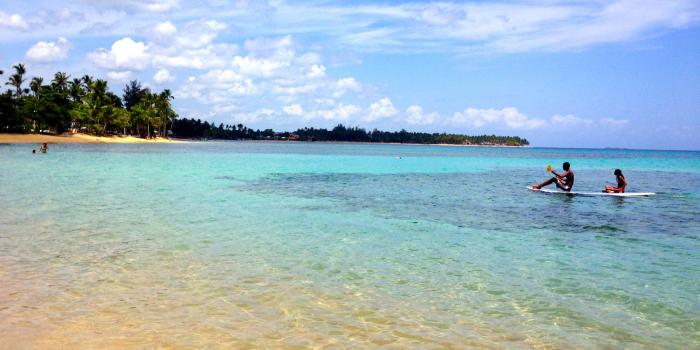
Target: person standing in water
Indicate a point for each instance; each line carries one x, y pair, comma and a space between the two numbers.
621, 183
565, 180
44, 147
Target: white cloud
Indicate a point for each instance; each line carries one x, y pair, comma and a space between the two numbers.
59, 17
382, 37
165, 29
556, 27
253, 116
453, 27
381, 109
119, 75
281, 48
159, 5
220, 77
309, 58
569, 120
140, 5
317, 71
210, 56
475, 22
163, 76
192, 47
457, 27
12, 21
341, 112
200, 33
181, 61
217, 86
269, 68
294, 110
137, 7
268, 72
299, 89
414, 115
125, 54
613, 123
480, 27
50, 51
513, 119
342, 86
224, 109
248, 65
509, 117
324, 102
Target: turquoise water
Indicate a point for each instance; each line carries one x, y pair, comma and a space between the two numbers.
284, 245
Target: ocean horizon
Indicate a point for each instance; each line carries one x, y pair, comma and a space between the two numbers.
241, 244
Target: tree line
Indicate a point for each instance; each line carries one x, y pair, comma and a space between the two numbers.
86, 104
356, 134
82, 104
199, 129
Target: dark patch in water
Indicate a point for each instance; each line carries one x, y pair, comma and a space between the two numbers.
602, 228
484, 202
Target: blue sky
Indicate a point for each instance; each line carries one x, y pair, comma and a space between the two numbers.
616, 73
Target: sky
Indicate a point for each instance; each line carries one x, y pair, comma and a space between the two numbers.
597, 73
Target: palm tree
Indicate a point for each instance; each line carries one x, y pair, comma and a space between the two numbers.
87, 80
35, 85
60, 81
110, 110
165, 109
75, 90
149, 115
17, 79
95, 101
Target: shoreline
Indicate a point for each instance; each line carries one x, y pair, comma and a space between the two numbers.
374, 143
6, 138
79, 138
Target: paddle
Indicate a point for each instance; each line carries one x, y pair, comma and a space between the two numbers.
549, 168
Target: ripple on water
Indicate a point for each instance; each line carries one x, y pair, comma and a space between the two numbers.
257, 246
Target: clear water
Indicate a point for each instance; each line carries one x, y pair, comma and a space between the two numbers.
298, 245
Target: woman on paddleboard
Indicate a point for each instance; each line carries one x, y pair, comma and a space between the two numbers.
621, 183
564, 180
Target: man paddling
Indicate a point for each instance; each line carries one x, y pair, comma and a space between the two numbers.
564, 180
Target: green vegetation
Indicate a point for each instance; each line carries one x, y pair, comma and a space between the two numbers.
82, 104
86, 105
192, 128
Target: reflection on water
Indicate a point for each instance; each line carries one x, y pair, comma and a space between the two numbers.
251, 245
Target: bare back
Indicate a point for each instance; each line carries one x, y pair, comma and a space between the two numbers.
569, 176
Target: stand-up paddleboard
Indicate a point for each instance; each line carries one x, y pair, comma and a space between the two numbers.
574, 193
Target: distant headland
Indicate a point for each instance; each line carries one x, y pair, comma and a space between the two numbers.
85, 110
197, 129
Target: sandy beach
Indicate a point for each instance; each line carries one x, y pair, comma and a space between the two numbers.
79, 138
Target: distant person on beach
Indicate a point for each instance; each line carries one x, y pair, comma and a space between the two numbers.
565, 180
44, 148
621, 183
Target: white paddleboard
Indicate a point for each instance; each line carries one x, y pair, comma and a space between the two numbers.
626, 194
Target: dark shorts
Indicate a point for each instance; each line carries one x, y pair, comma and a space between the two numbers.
563, 186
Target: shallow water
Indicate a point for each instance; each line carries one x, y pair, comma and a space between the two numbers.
269, 245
